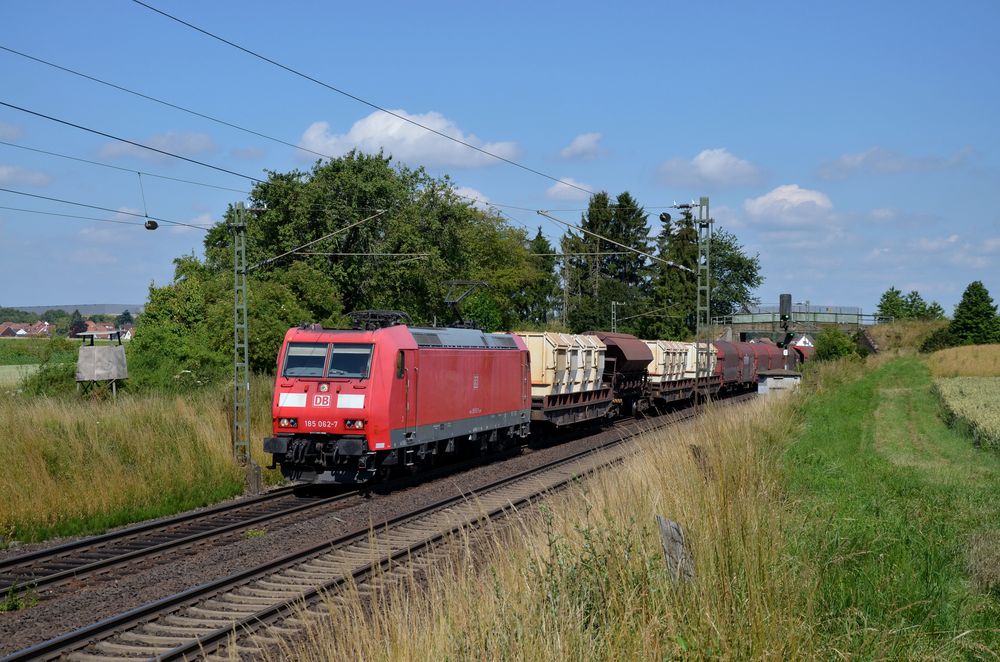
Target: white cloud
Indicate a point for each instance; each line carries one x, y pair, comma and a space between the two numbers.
934, 244
716, 168
23, 176
879, 160
407, 142
561, 191
790, 205
9, 131
472, 196
584, 146
185, 143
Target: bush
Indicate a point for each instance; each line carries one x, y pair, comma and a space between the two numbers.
833, 344
940, 339
50, 379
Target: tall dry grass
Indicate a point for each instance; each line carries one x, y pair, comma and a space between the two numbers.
586, 578
75, 465
966, 361
904, 336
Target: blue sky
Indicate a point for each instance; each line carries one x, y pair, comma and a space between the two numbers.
853, 145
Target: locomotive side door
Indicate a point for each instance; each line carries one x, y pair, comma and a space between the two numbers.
407, 367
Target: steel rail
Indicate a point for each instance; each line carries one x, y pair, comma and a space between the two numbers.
82, 637
49, 552
88, 569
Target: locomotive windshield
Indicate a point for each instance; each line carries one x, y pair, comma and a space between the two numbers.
305, 359
350, 360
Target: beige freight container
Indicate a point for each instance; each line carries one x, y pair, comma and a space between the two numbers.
669, 360
689, 362
563, 362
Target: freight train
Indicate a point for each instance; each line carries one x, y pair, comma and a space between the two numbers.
353, 405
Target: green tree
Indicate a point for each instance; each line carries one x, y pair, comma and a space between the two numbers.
914, 306
597, 272
76, 324
675, 290
537, 301
892, 304
975, 321
935, 311
735, 275
124, 318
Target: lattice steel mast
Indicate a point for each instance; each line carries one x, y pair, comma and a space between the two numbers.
703, 320
241, 353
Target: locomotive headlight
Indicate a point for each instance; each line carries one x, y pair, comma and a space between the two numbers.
283, 423
287, 422
323, 388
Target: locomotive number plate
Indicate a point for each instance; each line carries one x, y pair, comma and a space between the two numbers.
321, 400
320, 425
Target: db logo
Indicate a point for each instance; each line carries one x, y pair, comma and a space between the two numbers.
321, 400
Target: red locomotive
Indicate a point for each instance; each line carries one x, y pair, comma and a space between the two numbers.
348, 404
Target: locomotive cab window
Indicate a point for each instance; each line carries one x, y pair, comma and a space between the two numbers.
305, 359
350, 360
400, 365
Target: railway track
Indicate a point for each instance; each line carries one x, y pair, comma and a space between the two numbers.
53, 566
261, 605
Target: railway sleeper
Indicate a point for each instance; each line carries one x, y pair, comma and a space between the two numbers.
255, 599
156, 639
186, 630
288, 588
309, 576
131, 649
189, 621
78, 656
252, 592
325, 568
229, 604
229, 616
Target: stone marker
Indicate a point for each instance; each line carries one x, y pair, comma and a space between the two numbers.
680, 564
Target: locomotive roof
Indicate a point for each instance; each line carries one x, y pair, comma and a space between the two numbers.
448, 337
443, 337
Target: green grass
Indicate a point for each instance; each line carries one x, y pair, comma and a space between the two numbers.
28, 351
896, 507
10, 375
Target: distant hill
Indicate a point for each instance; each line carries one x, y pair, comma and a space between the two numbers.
87, 308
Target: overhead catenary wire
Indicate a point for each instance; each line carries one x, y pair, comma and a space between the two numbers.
365, 254
129, 142
114, 167
163, 102
361, 100
542, 212
265, 262
83, 218
107, 209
